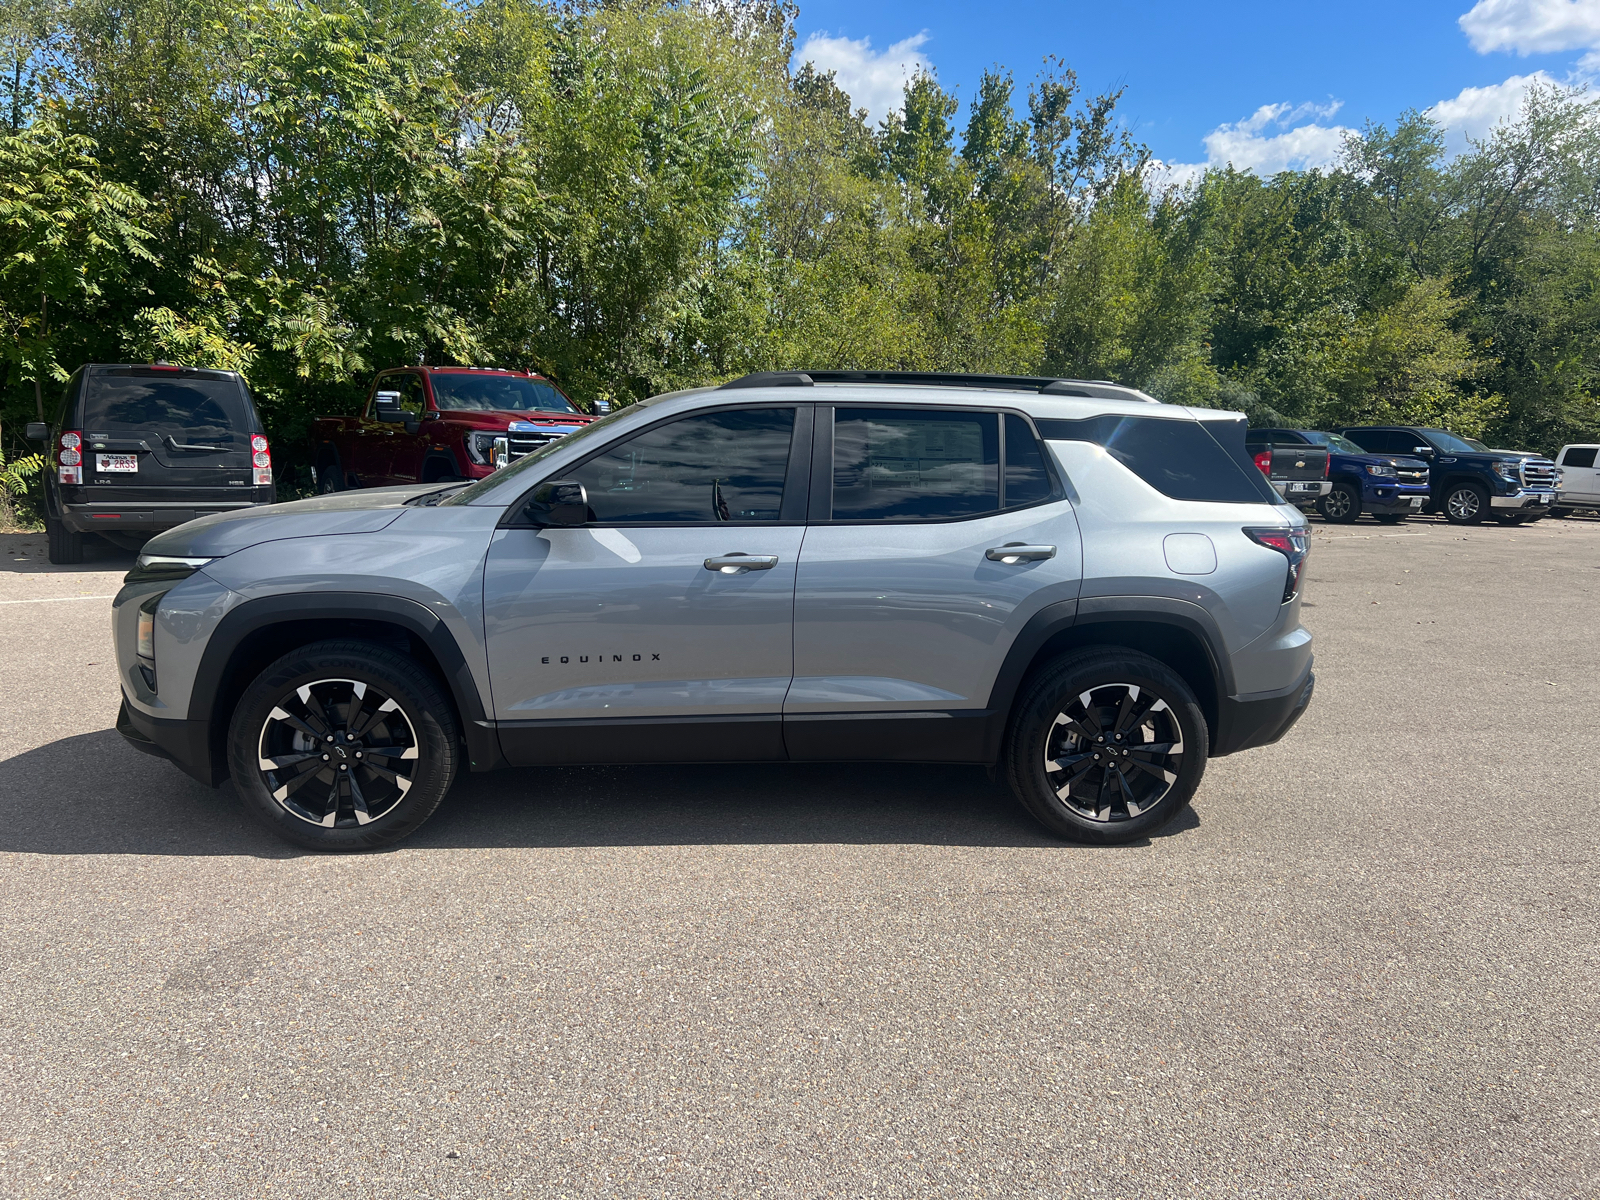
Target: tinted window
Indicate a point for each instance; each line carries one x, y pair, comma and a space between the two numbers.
1027, 476
1579, 456
1384, 441
1448, 442
409, 385
1181, 459
505, 393
723, 466
191, 408
1278, 437
1333, 441
897, 464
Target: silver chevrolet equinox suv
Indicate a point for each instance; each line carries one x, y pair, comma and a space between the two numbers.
1089, 590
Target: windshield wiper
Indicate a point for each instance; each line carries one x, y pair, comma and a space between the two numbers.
174, 444
429, 499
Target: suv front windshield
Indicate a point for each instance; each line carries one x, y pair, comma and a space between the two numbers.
1443, 439
1332, 441
498, 393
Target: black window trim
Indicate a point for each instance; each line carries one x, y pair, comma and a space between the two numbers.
821, 507
792, 508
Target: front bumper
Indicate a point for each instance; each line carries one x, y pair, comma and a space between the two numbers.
1525, 498
1389, 500
1246, 722
187, 744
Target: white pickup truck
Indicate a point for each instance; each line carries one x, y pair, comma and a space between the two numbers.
1580, 479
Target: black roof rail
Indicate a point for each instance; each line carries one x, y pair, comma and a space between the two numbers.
1045, 385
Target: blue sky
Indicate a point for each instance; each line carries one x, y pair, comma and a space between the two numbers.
1263, 85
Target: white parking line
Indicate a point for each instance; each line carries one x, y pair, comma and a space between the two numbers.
59, 599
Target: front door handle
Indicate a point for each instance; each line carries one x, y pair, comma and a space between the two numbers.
738, 564
1016, 552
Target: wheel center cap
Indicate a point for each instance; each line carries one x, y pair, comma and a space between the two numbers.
340, 750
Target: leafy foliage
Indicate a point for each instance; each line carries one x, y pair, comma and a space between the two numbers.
645, 196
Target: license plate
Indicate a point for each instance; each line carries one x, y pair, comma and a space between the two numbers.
116, 462
1302, 487
1418, 501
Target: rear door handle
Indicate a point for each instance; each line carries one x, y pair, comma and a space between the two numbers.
1016, 552
738, 564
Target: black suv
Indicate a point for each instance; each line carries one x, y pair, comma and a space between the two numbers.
1468, 483
134, 450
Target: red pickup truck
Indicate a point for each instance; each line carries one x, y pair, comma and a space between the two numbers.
431, 424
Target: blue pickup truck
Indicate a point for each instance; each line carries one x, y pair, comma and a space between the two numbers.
1468, 481
1390, 487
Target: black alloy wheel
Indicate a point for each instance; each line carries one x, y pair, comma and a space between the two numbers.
1108, 746
1466, 504
1341, 506
343, 746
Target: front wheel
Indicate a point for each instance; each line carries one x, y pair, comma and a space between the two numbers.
1341, 506
343, 746
1466, 504
1107, 746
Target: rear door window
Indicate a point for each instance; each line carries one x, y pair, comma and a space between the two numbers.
908, 464
1183, 459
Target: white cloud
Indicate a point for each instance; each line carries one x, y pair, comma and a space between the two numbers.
1532, 26
1477, 110
1249, 145
873, 81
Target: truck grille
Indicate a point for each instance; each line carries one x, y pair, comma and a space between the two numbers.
1412, 474
524, 437
1538, 473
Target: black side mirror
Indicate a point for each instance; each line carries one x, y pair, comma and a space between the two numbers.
602, 407
559, 502
38, 431
386, 407
1422, 451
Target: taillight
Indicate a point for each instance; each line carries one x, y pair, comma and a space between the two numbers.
261, 459
1294, 545
1264, 463
69, 457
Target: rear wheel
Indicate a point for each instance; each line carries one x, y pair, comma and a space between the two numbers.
1466, 504
343, 746
1107, 746
65, 546
1341, 506
330, 476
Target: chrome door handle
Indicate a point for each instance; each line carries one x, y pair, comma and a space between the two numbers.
738, 564
1016, 552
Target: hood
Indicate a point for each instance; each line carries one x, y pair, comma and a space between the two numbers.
364, 511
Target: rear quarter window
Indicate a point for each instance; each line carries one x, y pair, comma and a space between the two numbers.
1183, 459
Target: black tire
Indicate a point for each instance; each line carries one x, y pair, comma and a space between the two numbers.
343, 679
65, 547
330, 475
1341, 506
1048, 721
1390, 518
1466, 504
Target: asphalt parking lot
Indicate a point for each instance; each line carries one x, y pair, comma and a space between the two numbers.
1364, 964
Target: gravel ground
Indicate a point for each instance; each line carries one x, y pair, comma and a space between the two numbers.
1364, 964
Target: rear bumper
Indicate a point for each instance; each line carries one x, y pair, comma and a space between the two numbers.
187, 744
1302, 491
1525, 498
1245, 722
142, 516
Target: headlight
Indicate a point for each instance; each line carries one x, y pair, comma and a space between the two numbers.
163, 568
480, 446
1384, 469
1509, 470
146, 642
